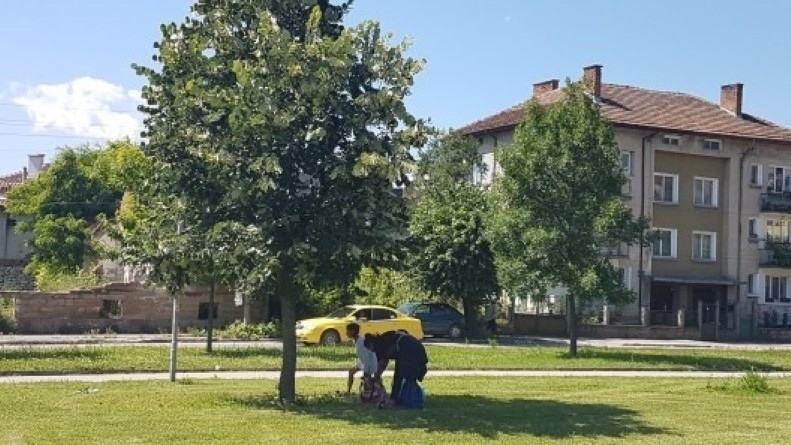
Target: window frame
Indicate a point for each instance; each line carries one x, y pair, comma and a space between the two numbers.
671, 140
715, 191
782, 285
629, 169
779, 223
712, 141
756, 179
752, 228
712, 247
772, 179
673, 243
752, 284
675, 179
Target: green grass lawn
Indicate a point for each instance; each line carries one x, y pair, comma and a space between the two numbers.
155, 358
462, 410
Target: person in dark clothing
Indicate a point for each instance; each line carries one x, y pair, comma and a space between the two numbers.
411, 360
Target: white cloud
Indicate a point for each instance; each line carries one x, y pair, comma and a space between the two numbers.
85, 106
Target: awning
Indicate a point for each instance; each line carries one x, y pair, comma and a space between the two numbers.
722, 281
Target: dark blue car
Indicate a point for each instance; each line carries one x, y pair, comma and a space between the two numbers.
438, 319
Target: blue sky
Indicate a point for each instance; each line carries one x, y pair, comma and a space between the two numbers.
66, 77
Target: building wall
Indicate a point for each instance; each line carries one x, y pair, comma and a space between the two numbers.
142, 310
12, 242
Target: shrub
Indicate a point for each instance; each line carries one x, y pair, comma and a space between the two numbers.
50, 280
238, 330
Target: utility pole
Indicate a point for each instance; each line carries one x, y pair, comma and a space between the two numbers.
174, 339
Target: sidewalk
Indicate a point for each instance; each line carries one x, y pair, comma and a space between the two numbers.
274, 375
503, 341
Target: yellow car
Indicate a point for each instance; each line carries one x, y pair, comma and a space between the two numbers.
331, 330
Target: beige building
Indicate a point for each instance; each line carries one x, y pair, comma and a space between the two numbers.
716, 184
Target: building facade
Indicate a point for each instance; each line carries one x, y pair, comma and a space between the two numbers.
714, 181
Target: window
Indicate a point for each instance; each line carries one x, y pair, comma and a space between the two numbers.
382, 314
777, 231
203, 311
666, 188
711, 144
779, 179
665, 243
362, 315
756, 175
111, 309
477, 174
775, 288
704, 246
671, 140
705, 192
752, 285
627, 158
752, 228
625, 274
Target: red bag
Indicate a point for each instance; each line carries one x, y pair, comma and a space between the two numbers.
372, 391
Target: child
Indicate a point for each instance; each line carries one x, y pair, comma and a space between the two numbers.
373, 391
366, 358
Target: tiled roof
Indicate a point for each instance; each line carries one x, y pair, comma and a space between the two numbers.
10, 181
637, 107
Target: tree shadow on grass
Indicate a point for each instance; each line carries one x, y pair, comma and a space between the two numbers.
482, 416
683, 361
51, 353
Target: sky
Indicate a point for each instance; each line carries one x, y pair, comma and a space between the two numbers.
66, 79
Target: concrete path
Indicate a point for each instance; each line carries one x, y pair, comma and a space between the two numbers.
273, 375
503, 341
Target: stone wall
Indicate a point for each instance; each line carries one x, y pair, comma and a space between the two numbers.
13, 278
122, 308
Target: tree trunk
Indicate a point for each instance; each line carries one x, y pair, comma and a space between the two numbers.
210, 327
571, 321
246, 315
471, 318
287, 290
265, 316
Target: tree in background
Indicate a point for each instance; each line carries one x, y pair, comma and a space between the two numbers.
451, 257
283, 132
66, 202
562, 184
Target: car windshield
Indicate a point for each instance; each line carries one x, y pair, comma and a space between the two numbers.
341, 313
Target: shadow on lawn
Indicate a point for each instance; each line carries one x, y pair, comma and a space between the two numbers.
679, 361
479, 415
51, 353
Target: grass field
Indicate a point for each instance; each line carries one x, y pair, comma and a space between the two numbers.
463, 410
155, 358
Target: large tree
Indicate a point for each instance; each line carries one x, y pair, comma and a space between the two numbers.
562, 181
451, 256
83, 185
284, 132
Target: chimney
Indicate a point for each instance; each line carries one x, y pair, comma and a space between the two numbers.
592, 79
35, 163
731, 98
545, 87
24, 173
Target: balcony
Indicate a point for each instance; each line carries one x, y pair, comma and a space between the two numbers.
775, 255
776, 202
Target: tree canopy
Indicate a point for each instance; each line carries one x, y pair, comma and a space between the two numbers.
451, 256
82, 185
561, 190
282, 131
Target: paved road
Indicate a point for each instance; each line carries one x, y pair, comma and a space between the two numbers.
9, 341
273, 375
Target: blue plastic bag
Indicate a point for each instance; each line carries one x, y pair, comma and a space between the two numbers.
411, 394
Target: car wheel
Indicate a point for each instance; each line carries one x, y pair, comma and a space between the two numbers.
330, 338
454, 331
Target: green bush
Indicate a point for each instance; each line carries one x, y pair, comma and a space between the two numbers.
238, 330
52, 280
754, 382
7, 321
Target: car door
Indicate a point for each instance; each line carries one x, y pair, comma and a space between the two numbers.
382, 320
423, 313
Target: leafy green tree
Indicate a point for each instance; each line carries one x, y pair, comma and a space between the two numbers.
452, 257
283, 132
562, 182
83, 185
387, 287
